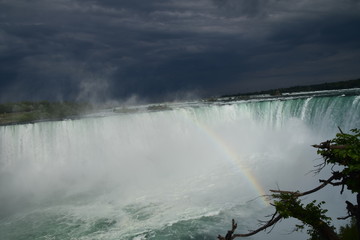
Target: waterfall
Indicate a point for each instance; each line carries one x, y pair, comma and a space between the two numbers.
147, 175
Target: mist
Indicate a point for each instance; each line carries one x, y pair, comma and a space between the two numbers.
147, 172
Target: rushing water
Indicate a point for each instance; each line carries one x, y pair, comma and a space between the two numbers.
173, 174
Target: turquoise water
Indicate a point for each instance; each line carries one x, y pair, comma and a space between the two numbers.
177, 174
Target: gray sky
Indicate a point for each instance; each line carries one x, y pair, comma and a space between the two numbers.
172, 49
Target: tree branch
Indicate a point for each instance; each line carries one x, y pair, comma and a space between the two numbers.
230, 233
328, 145
344, 218
269, 224
335, 176
274, 219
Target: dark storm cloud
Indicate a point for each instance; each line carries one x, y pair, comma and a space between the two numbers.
92, 49
248, 8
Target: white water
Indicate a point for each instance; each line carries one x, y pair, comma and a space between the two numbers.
138, 176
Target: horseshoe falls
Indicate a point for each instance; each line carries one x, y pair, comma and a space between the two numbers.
178, 173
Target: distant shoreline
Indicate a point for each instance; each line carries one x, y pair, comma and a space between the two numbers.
32, 112
307, 88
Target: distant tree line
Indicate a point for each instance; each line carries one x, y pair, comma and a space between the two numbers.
22, 112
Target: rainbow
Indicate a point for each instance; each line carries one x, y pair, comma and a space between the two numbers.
230, 154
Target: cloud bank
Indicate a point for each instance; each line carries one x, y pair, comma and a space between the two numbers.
101, 50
